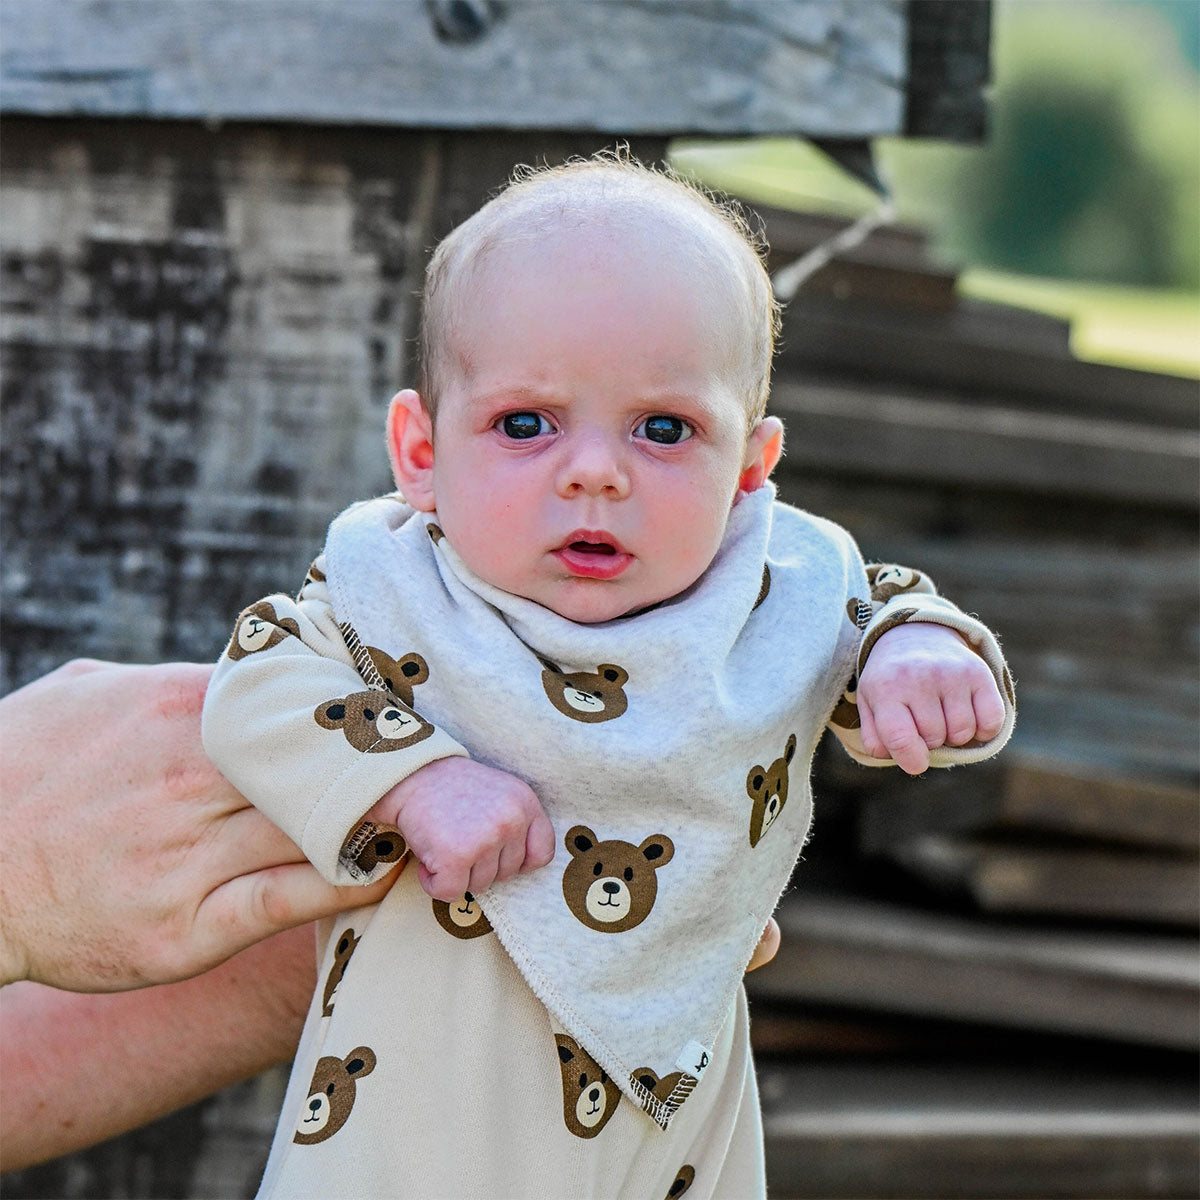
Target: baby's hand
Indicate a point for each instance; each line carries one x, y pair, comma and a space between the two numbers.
469, 825
923, 687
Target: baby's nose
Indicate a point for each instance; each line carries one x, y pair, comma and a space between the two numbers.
594, 466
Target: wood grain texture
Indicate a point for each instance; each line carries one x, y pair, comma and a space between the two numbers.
820, 67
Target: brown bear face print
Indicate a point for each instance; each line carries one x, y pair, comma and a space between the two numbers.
373, 843
768, 789
463, 918
341, 956
589, 1097
672, 1090
611, 886
331, 1095
260, 628
684, 1179
586, 695
400, 674
845, 712
888, 580
373, 721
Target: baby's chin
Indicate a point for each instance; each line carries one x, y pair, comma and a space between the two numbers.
587, 602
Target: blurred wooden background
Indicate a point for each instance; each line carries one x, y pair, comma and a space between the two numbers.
988, 985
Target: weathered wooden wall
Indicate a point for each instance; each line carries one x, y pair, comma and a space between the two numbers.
201, 333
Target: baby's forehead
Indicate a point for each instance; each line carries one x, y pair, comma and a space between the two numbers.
598, 208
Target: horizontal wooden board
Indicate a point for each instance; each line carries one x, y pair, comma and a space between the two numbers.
973, 1130
897, 433
853, 952
823, 67
1038, 796
982, 353
1059, 880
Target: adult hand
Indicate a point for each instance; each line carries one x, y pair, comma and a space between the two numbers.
127, 859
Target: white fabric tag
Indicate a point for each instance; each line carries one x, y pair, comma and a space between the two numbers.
693, 1059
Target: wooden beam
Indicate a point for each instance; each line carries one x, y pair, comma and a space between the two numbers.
969, 1130
860, 953
821, 68
889, 432
1042, 795
1081, 880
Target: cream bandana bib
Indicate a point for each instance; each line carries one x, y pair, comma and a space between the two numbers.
671, 750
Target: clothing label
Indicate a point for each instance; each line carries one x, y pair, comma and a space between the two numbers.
693, 1059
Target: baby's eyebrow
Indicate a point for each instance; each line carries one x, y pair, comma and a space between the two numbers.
518, 394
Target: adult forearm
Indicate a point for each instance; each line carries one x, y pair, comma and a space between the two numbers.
89, 1066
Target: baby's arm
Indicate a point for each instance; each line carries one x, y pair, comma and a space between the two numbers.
931, 687
292, 722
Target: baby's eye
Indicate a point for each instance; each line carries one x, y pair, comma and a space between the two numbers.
524, 425
666, 430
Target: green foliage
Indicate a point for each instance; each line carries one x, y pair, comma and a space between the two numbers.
1092, 169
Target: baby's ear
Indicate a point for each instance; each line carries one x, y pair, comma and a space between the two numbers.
410, 447
763, 449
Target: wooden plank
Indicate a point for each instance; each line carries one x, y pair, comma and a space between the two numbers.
1022, 792
970, 1130
896, 434
985, 350
1060, 880
694, 66
852, 952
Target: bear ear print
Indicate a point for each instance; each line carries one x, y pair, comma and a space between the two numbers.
755, 779
549, 666
658, 850
791, 747
612, 673
360, 1061
331, 714
648, 1080
565, 1053
579, 840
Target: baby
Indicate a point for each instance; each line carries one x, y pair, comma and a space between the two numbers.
585, 627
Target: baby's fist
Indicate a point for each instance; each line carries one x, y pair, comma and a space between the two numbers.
469, 825
923, 687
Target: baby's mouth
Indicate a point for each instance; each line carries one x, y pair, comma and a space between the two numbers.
593, 547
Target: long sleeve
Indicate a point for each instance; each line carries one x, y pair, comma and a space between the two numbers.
899, 595
313, 728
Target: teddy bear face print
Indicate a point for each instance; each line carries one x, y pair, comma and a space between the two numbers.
260, 628
611, 885
463, 918
373, 722
590, 1097
331, 1095
588, 696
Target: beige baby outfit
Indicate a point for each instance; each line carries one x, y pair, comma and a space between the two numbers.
482, 1048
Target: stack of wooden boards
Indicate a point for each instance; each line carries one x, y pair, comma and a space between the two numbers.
990, 981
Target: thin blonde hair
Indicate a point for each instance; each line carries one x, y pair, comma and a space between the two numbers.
517, 212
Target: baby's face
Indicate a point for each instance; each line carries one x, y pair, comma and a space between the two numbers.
591, 432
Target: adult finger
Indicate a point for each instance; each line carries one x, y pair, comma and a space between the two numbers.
247, 909
767, 948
